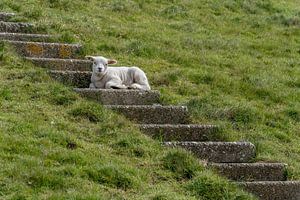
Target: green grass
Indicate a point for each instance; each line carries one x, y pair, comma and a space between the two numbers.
56, 145
234, 63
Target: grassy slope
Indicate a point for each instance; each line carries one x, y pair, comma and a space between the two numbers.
235, 63
56, 145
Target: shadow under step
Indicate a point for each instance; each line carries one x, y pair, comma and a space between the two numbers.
120, 97
46, 50
251, 171
73, 78
62, 64
6, 16
26, 37
143, 114
273, 190
181, 132
218, 152
16, 27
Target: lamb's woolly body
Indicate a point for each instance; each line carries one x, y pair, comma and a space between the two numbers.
117, 77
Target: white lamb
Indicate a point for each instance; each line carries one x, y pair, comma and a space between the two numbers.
105, 77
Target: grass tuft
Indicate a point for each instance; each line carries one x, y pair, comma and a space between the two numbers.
293, 114
113, 176
62, 96
41, 178
175, 11
91, 112
125, 6
5, 94
181, 164
209, 186
160, 197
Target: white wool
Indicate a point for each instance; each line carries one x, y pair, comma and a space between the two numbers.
105, 77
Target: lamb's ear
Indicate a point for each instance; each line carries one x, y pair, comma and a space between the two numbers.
111, 62
90, 57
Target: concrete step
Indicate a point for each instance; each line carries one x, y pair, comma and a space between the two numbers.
26, 37
16, 27
219, 152
46, 50
274, 190
6, 16
251, 171
153, 114
181, 132
120, 97
62, 64
72, 78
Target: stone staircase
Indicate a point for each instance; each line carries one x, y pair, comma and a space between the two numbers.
169, 124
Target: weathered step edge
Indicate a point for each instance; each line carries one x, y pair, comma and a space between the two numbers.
251, 171
62, 64
120, 97
72, 78
219, 152
181, 132
16, 27
6, 16
153, 114
26, 37
273, 190
41, 49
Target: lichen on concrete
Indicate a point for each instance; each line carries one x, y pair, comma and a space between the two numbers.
46, 50
34, 49
65, 51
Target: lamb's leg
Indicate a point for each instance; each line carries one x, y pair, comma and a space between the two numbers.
92, 86
140, 79
138, 87
114, 85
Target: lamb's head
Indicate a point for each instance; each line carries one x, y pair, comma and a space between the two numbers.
100, 63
